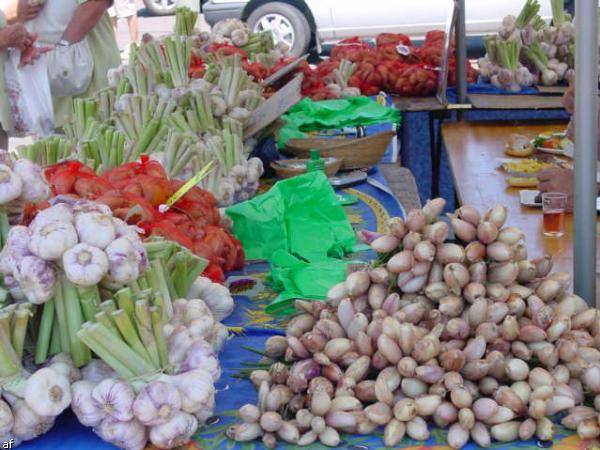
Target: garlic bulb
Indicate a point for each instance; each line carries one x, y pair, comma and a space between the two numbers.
36, 279
195, 387
216, 297
198, 319
179, 342
47, 393
11, 184
114, 398
51, 240
130, 435
208, 409
85, 409
6, 418
132, 234
15, 249
174, 433
156, 403
219, 336
95, 229
28, 424
35, 189
202, 356
85, 265
62, 364
123, 261
60, 212
90, 206
96, 371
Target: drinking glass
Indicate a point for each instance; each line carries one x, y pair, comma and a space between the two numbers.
554, 204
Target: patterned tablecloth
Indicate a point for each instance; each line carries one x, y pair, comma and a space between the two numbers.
252, 326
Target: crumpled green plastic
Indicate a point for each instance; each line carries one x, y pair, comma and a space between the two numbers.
303, 231
300, 215
308, 115
296, 278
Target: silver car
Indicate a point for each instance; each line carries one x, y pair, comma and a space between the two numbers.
301, 23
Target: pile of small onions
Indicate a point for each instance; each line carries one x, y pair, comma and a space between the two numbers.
469, 335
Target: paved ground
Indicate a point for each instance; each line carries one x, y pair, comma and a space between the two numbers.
148, 24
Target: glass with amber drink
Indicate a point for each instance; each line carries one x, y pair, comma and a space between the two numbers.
554, 205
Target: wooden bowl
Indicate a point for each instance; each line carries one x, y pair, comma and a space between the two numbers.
356, 153
287, 168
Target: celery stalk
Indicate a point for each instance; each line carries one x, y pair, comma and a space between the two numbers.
105, 352
61, 317
21, 318
129, 334
90, 298
125, 301
106, 320
159, 336
45, 331
79, 353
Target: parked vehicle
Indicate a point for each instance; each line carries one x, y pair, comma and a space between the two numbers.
160, 7
299, 23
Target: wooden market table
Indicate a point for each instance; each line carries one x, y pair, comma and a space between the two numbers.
472, 149
515, 101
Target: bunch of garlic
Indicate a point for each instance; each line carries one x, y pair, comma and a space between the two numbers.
29, 409
469, 335
164, 409
21, 182
82, 239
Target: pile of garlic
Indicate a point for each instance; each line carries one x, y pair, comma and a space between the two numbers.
165, 407
81, 239
21, 181
469, 335
30, 405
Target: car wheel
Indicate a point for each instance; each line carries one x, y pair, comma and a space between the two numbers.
160, 7
288, 24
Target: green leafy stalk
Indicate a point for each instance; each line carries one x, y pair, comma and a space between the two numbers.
45, 332
529, 11
129, 334
159, 336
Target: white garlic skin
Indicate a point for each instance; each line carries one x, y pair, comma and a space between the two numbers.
115, 399
174, 433
47, 393
51, 240
85, 409
157, 403
123, 261
95, 229
85, 265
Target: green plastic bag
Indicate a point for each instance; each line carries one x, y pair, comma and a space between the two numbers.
296, 278
309, 115
300, 215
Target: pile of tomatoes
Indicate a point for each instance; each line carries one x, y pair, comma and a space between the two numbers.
135, 191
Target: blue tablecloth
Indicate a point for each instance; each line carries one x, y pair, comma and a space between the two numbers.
254, 326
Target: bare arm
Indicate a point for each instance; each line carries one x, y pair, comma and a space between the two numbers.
86, 16
20, 11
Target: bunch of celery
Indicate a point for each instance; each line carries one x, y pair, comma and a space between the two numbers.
179, 52
172, 270
62, 318
151, 56
83, 110
142, 120
105, 151
185, 20
13, 329
178, 151
127, 333
261, 42
48, 151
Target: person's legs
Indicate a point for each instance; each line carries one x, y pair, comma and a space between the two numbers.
132, 23
3, 139
115, 23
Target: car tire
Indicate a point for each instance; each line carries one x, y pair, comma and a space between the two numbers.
157, 10
293, 15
